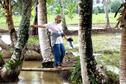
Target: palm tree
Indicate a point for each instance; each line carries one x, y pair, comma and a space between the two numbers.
35, 22
65, 29
8, 13
87, 60
12, 67
44, 40
122, 21
106, 9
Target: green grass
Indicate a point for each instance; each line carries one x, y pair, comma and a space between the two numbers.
107, 46
97, 19
100, 18
106, 42
33, 40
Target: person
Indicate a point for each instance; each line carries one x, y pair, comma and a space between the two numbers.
57, 34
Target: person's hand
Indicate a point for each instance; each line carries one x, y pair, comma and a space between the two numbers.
69, 39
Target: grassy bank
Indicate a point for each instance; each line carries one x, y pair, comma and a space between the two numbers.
97, 19
105, 47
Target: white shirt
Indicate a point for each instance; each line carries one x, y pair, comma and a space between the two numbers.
55, 28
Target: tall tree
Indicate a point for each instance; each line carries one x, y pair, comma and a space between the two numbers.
12, 67
106, 9
44, 40
65, 29
8, 13
122, 21
35, 22
87, 60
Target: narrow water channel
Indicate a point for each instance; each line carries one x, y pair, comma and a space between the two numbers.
33, 77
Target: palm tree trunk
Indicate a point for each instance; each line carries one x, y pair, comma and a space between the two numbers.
122, 74
123, 57
82, 45
107, 25
43, 33
87, 60
12, 68
65, 29
8, 13
35, 22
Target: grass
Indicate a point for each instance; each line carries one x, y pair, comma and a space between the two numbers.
106, 42
108, 46
105, 47
100, 18
97, 19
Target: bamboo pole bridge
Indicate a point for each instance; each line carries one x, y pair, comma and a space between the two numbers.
48, 69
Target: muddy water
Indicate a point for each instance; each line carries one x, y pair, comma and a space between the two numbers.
33, 77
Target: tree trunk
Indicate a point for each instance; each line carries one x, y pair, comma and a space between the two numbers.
8, 13
43, 32
12, 68
65, 29
122, 74
87, 60
107, 22
35, 30
123, 57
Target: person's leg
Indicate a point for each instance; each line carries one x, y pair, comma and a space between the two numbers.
62, 48
56, 52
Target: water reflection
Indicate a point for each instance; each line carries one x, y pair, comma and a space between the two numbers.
33, 77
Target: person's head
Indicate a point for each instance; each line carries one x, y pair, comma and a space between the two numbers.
58, 19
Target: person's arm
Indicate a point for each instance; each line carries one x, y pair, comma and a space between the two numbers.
39, 26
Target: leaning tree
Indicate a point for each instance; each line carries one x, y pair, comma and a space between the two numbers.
7, 6
12, 68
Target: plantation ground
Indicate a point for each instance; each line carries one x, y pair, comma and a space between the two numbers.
98, 19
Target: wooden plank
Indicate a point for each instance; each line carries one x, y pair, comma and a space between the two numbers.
47, 69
